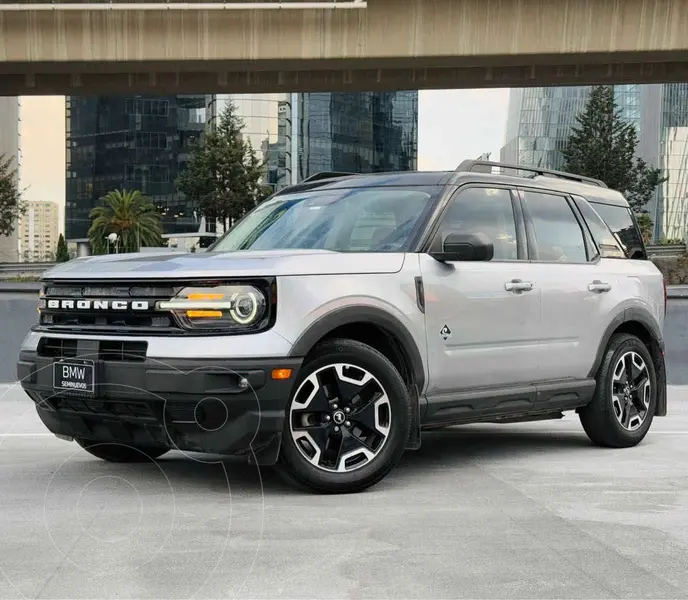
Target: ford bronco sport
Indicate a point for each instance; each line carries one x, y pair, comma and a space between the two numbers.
347, 313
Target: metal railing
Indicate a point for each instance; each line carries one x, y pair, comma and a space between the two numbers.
666, 249
20, 270
64, 5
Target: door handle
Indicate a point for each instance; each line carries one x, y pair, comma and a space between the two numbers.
599, 287
516, 285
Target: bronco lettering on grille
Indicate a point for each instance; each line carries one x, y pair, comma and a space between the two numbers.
99, 304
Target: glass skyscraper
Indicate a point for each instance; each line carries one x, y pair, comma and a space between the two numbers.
143, 143
539, 122
130, 142
298, 135
268, 126
360, 133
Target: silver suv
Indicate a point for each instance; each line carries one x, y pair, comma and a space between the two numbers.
346, 314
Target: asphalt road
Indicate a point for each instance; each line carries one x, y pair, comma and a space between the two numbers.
18, 313
484, 511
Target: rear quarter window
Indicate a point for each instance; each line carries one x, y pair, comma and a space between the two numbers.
626, 241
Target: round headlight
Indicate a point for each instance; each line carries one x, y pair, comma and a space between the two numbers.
244, 307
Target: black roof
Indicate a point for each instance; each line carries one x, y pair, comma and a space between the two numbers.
471, 170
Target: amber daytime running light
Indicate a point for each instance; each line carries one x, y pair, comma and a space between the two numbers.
217, 307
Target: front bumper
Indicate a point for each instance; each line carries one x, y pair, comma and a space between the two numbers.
185, 404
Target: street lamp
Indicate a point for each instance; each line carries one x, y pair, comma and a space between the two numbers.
113, 238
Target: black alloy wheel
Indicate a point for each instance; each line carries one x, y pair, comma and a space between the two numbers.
348, 419
625, 400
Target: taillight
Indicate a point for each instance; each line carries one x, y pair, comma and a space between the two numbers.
665, 296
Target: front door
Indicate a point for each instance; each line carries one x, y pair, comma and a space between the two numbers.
482, 318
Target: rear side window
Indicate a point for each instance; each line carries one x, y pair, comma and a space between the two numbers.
558, 235
621, 223
605, 240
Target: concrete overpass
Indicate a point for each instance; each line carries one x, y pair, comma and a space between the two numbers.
166, 47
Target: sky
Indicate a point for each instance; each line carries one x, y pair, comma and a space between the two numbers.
453, 125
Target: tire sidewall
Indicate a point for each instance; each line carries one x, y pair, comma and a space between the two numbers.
375, 363
607, 407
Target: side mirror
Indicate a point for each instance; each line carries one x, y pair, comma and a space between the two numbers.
465, 247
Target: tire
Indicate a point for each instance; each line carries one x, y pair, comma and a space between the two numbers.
599, 418
120, 453
380, 415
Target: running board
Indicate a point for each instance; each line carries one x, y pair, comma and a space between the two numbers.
527, 418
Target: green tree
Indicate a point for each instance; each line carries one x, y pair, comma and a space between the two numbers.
62, 253
602, 145
11, 205
131, 216
223, 177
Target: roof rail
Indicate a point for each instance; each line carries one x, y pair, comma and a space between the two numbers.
326, 175
470, 165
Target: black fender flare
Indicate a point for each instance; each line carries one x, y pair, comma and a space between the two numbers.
363, 314
645, 318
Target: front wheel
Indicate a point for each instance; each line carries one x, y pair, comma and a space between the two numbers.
348, 420
621, 412
121, 453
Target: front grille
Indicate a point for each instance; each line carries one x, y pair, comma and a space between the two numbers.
107, 350
58, 348
101, 317
95, 320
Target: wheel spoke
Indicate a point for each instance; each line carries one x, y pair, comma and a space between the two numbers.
311, 396
626, 419
628, 367
349, 447
317, 438
639, 388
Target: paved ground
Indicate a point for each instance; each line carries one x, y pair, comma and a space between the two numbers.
510, 511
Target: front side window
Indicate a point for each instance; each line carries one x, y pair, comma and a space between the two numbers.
483, 210
558, 235
383, 219
620, 222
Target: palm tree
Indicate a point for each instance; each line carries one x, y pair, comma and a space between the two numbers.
130, 215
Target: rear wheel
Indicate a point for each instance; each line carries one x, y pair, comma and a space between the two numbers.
621, 412
348, 420
121, 453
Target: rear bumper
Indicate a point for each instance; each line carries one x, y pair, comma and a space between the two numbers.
191, 405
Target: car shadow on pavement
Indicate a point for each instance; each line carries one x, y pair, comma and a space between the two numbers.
453, 446
450, 448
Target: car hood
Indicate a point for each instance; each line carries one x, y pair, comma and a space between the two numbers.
176, 265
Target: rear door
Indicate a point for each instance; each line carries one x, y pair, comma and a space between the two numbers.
575, 285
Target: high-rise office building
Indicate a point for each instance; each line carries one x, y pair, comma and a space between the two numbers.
362, 132
10, 148
298, 135
268, 126
131, 142
539, 122
143, 143
38, 232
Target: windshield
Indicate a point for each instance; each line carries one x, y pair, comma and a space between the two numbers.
383, 219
